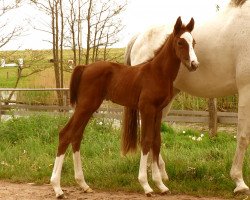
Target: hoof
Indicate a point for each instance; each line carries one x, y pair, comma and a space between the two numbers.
61, 196
150, 194
243, 192
89, 190
166, 193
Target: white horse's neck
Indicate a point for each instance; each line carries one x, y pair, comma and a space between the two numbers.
219, 43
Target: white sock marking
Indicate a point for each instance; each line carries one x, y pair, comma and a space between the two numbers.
156, 175
143, 178
78, 171
56, 175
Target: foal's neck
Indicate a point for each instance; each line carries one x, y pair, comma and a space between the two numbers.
166, 62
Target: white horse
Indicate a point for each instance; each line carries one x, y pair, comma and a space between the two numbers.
223, 50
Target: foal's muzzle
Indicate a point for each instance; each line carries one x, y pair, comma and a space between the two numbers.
192, 66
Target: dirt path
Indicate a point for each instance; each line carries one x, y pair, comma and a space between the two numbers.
14, 191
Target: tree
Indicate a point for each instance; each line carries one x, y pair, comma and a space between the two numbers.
74, 20
103, 26
54, 9
100, 22
7, 33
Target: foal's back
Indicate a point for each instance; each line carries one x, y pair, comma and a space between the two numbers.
112, 81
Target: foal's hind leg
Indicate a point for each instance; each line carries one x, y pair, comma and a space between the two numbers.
71, 133
85, 111
63, 145
76, 142
156, 174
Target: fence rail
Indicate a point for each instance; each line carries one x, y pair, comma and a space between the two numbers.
107, 112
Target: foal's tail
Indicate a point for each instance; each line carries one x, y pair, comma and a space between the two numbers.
74, 83
130, 128
130, 116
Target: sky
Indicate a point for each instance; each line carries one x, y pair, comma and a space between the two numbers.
139, 15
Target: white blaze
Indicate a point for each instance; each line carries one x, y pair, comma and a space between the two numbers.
189, 38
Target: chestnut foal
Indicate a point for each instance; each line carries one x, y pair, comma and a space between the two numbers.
147, 87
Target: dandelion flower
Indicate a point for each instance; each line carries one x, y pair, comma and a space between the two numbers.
193, 138
202, 135
199, 139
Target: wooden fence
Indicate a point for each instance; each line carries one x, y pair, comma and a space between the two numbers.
112, 112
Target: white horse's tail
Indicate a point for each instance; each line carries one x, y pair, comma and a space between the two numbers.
127, 58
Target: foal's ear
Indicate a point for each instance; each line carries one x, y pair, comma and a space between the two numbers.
190, 25
178, 25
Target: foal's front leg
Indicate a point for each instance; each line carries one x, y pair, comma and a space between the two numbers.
147, 134
165, 112
149, 129
156, 173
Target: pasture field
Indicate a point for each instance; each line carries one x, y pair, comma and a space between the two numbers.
195, 166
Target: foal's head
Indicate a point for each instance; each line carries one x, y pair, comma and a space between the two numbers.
184, 44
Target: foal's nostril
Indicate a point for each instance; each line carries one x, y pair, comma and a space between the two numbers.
194, 64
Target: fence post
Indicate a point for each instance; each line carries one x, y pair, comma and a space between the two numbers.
213, 119
64, 96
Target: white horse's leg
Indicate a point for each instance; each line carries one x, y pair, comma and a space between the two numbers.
243, 139
79, 177
56, 176
143, 177
157, 178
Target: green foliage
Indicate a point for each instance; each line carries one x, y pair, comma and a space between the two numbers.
28, 147
166, 129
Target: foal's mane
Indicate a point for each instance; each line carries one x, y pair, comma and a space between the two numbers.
237, 3
157, 51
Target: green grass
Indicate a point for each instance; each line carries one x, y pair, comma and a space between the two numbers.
28, 149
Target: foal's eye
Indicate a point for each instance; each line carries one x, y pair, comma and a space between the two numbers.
179, 43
